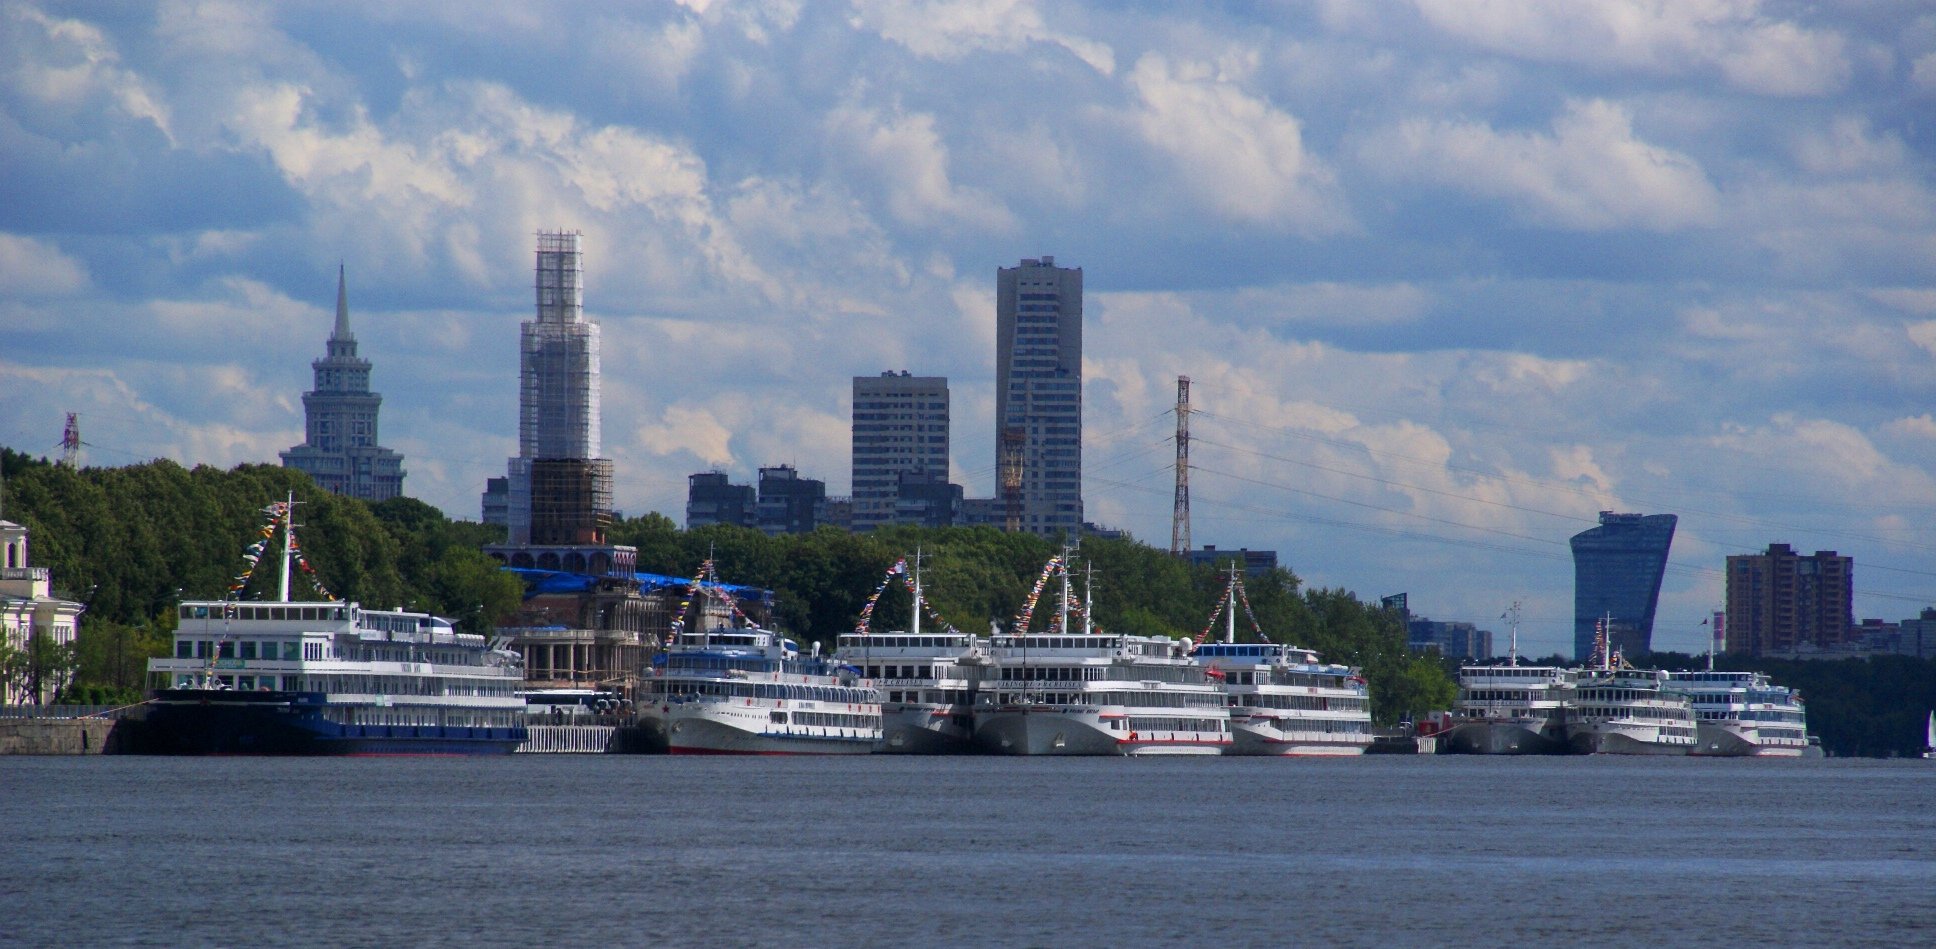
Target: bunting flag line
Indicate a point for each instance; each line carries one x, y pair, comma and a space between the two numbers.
1028, 606
276, 515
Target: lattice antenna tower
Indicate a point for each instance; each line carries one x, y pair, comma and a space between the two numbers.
71, 442
1180, 517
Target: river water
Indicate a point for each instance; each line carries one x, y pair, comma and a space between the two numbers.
892, 851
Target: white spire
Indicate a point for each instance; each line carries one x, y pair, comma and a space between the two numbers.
342, 331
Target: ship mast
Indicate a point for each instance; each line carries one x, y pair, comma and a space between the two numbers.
1062, 620
914, 626
1088, 597
1230, 606
288, 541
1513, 612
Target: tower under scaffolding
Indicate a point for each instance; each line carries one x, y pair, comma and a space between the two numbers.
558, 401
558, 404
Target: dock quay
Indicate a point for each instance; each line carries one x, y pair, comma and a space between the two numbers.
612, 735
63, 730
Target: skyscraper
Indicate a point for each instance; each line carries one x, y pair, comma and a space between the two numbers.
339, 449
566, 499
1781, 600
1617, 569
900, 428
1038, 397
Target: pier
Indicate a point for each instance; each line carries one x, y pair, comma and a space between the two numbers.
60, 730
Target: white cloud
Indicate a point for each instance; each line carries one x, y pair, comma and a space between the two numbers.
951, 29
904, 152
73, 66
1590, 173
1740, 39
1241, 155
36, 269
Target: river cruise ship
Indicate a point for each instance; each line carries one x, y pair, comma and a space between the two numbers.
331, 678
1743, 715
1282, 700
927, 685
1510, 709
749, 691
328, 677
926, 679
1096, 694
1625, 711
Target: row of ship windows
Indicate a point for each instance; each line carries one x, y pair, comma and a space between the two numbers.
1752, 715
1166, 724
310, 614
1315, 703
446, 717
931, 696
355, 684
825, 719
1187, 674
1286, 678
1132, 699
285, 650
767, 690
1330, 726
1631, 713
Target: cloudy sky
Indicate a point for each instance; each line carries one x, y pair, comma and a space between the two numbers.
1450, 276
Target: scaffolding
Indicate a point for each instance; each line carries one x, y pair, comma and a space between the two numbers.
561, 277
571, 500
558, 358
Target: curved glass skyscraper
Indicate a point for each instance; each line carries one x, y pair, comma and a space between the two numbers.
1617, 568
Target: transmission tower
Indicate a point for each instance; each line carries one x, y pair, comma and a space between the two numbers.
1180, 519
71, 442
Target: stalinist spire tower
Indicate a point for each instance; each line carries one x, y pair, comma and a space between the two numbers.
339, 448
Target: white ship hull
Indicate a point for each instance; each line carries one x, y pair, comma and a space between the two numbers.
1264, 736
925, 729
718, 728
1729, 740
1069, 730
1513, 737
1615, 738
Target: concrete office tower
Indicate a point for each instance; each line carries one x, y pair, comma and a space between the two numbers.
900, 428
1617, 569
1038, 397
558, 407
1781, 602
339, 449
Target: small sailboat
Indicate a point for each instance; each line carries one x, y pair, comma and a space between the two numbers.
1929, 737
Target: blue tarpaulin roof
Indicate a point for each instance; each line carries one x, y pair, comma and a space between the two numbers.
558, 581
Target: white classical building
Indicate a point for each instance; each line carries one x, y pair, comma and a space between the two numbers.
27, 610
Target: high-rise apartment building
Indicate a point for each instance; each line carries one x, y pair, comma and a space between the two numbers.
339, 449
1781, 601
1038, 397
558, 409
900, 433
1617, 569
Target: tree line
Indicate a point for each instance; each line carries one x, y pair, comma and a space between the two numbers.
133, 541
